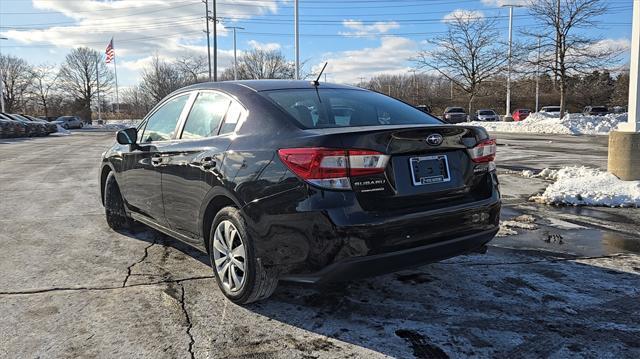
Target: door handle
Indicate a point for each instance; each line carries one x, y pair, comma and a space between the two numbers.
156, 161
206, 163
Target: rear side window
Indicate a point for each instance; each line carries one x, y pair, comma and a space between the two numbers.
232, 118
205, 116
327, 108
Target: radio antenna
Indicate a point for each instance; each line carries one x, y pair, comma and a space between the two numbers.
317, 81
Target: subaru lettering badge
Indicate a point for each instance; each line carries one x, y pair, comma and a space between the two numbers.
434, 139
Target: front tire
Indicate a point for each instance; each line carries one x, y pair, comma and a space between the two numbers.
240, 275
114, 205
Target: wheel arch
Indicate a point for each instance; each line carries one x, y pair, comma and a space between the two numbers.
104, 173
216, 199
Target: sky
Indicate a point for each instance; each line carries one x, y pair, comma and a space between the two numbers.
358, 38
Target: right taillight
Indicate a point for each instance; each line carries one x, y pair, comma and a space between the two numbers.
332, 168
484, 151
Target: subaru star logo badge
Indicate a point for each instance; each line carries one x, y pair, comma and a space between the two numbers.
434, 139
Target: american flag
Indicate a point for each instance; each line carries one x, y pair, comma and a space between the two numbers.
111, 54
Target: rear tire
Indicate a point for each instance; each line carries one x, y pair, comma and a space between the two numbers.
255, 281
114, 205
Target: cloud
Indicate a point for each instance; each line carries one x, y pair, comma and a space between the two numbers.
139, 28
388, 58
360, 29
504, 2
463, 14
266, 46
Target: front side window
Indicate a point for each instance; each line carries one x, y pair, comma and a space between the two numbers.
162, 124
205, 116
327, 108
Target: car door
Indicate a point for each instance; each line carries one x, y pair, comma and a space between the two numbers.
142, 188
188, 162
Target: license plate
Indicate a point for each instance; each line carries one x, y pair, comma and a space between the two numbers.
429, 170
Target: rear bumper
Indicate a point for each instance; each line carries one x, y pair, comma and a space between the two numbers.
372, 265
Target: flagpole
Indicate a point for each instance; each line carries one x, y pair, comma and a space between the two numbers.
115, 70
98, 87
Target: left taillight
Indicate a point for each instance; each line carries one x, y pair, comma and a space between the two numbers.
484, 151
332, 168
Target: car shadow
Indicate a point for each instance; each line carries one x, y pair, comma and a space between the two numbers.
506, 303
147, 234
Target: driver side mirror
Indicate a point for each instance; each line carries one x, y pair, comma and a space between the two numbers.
127, 136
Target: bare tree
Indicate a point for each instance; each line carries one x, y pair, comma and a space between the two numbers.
17, 76
467, 55
161, 78
262, 64
79, 78
45, 77
565, 49
137, 101
193, 68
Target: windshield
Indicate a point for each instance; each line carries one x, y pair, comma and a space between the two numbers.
455, 110
64, 118
551, 109
486, 113
599, 109
328, 108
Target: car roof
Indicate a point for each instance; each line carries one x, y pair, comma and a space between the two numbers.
485, 109
267, 85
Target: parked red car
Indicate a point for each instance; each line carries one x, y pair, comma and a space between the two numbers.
520, 114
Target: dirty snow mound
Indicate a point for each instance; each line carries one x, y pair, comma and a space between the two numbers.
62, 130
570, 124
582, 186
524, 221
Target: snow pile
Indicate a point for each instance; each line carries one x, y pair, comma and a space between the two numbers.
62, 131
524, 221
582, 186
114, 125
570, 124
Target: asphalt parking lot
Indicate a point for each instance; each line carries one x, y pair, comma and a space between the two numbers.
568, 285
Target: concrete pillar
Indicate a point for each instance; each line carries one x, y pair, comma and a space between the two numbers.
624, 144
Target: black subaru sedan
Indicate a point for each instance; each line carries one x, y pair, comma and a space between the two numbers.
300, 181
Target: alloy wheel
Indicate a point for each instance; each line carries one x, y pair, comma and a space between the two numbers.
229, 256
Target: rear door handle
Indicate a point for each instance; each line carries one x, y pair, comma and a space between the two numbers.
206, 162
156, 161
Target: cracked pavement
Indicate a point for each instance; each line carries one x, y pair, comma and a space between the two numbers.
71, 287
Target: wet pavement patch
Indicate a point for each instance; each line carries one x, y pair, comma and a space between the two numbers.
420, 346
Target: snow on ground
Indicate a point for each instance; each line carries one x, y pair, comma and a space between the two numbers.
582, 186
114, 125
62, 131
570, 124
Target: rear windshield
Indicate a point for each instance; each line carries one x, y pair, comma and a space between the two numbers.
455, 110
486, 113
599, 109
328, 108
551, 109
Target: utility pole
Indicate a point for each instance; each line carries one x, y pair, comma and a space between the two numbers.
507, 116
215, 42
2, 81
415, 87
624, 161
361, 81
451, 89
206, 8
538, 77
297, 39
235, 56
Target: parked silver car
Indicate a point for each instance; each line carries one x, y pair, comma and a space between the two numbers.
68, 122
487, 115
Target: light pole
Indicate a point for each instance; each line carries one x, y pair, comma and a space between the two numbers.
215, 42
2, 80
206, 9
235, 56
507, 116
297, 39
624, 161
538, 77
